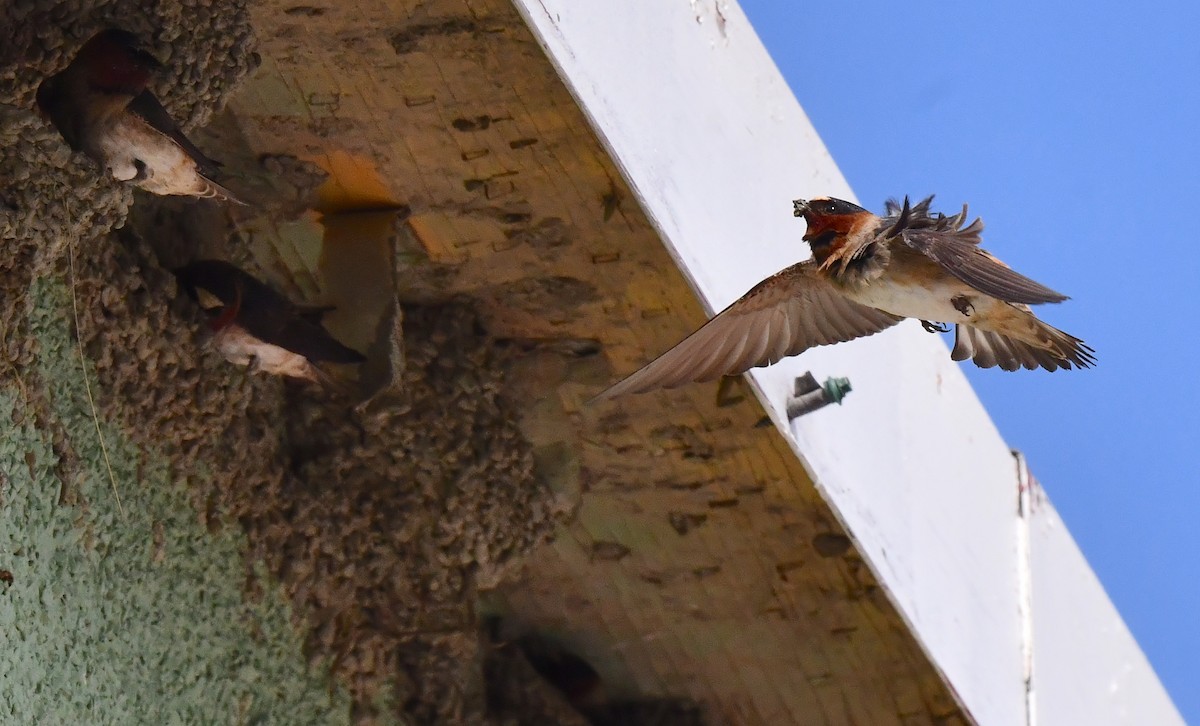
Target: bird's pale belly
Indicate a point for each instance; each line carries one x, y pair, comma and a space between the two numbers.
241, 348
939, 302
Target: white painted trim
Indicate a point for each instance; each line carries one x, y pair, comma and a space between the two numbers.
1026, 496
715, 146
1087, 669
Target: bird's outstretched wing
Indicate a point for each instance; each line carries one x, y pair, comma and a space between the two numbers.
979, 269
955, 247
788, 313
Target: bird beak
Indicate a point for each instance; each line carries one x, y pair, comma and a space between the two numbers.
207, 300
799, 207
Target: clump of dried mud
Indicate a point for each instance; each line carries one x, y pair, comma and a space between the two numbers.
380, 526
54, 202
49, 195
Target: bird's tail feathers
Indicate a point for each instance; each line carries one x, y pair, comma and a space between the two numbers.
330, 383
213, 190
1042, 346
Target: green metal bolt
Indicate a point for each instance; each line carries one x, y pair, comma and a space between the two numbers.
808, 396
836, 389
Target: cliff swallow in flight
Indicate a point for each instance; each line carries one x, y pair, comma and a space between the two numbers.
100, 105
868, 273
255, 326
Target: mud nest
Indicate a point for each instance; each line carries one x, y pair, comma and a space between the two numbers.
49, 195
381, 526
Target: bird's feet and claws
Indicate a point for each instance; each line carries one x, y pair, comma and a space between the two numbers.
962, 304
935, 327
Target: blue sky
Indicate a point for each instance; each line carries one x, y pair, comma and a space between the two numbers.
1073, 129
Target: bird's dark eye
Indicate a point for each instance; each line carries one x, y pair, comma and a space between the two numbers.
828, 207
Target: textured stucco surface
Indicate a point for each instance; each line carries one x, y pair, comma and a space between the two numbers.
134, 617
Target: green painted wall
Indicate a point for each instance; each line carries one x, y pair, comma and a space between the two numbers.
127, 618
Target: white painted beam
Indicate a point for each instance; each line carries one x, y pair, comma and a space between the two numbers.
715, 146
1086, 667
